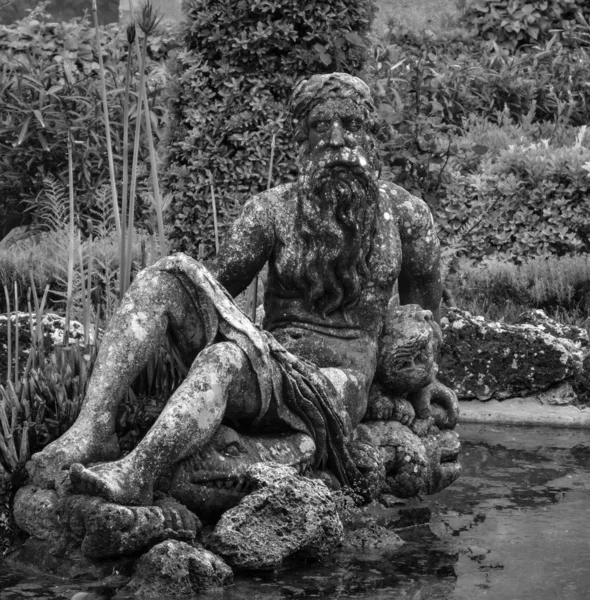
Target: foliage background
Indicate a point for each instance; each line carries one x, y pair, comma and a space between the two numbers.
228, 93
49, 86
59, 10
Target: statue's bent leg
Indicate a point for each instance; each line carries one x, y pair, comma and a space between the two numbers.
351, 393
220, 373
155, 303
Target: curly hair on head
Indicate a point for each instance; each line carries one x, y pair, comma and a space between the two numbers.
318, 88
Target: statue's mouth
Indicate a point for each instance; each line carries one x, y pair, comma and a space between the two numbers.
450, 454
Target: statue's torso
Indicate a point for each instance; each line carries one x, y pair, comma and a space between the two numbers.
334, 340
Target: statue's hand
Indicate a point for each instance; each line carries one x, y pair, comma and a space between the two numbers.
389, 408
438, 401
403, 411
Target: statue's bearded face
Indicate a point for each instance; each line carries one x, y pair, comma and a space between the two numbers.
337, 205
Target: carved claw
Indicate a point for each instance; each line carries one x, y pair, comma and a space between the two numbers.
441, 395
384, 407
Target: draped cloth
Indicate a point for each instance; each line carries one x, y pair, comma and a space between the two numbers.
305, 398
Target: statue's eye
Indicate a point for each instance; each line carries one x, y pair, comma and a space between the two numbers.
232, 450
351, 124
321, 126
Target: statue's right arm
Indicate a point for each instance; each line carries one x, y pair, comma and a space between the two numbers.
248, 246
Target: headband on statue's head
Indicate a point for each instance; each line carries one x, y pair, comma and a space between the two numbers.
319, 88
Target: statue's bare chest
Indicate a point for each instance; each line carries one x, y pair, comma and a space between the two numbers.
384, 262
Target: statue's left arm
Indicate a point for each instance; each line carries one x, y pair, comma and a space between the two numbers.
248, 246
419, 281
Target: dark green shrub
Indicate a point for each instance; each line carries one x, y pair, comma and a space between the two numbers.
228, 93
512, 24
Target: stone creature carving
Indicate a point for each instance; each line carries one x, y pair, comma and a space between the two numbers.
336, 242
214, 480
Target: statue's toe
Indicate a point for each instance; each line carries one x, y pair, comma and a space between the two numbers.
84, 481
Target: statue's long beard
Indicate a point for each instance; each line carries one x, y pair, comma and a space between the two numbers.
336, 218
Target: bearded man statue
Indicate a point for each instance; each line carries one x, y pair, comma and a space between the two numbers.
336, 242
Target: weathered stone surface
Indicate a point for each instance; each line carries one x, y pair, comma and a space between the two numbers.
525, 411
559, 330
488, 360
173, 568
335, 240
413, 465
408, 348
100, 528
213, 480
372, 537
35, 511
287, 514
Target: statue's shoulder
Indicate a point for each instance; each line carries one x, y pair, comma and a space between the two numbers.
412, 212
275, 200
267, 208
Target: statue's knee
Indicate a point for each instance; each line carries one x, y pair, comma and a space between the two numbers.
153, 283
227, 356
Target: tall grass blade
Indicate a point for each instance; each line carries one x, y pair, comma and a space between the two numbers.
105, 110
215, 227
71, 244
88, 296
123, 243
8, 336
133, 184
153, 161
16, 333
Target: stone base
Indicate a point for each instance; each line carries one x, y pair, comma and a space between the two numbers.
524, 411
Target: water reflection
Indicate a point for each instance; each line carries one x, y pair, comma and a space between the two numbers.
515, 526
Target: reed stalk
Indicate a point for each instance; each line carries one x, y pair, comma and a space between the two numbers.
131, 33
154, 168
105, 110
8, 336
88, 290
133, 186
83, 278
16, 333
148, 20
214, 205
70, 285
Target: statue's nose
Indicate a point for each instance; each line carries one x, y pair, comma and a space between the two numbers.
336, 134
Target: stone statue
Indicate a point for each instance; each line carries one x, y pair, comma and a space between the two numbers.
333, 351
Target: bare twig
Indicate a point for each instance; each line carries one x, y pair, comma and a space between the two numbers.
214, 214
6, 3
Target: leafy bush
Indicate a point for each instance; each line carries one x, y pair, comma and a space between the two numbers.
50, 88
523, 198
428, 84
108, 10
513, 24
228, 93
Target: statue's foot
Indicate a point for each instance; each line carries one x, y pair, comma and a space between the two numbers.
49, 466
121, 482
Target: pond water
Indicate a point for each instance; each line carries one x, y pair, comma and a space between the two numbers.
515, 526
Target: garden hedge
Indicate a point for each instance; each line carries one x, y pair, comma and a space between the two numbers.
228, 92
